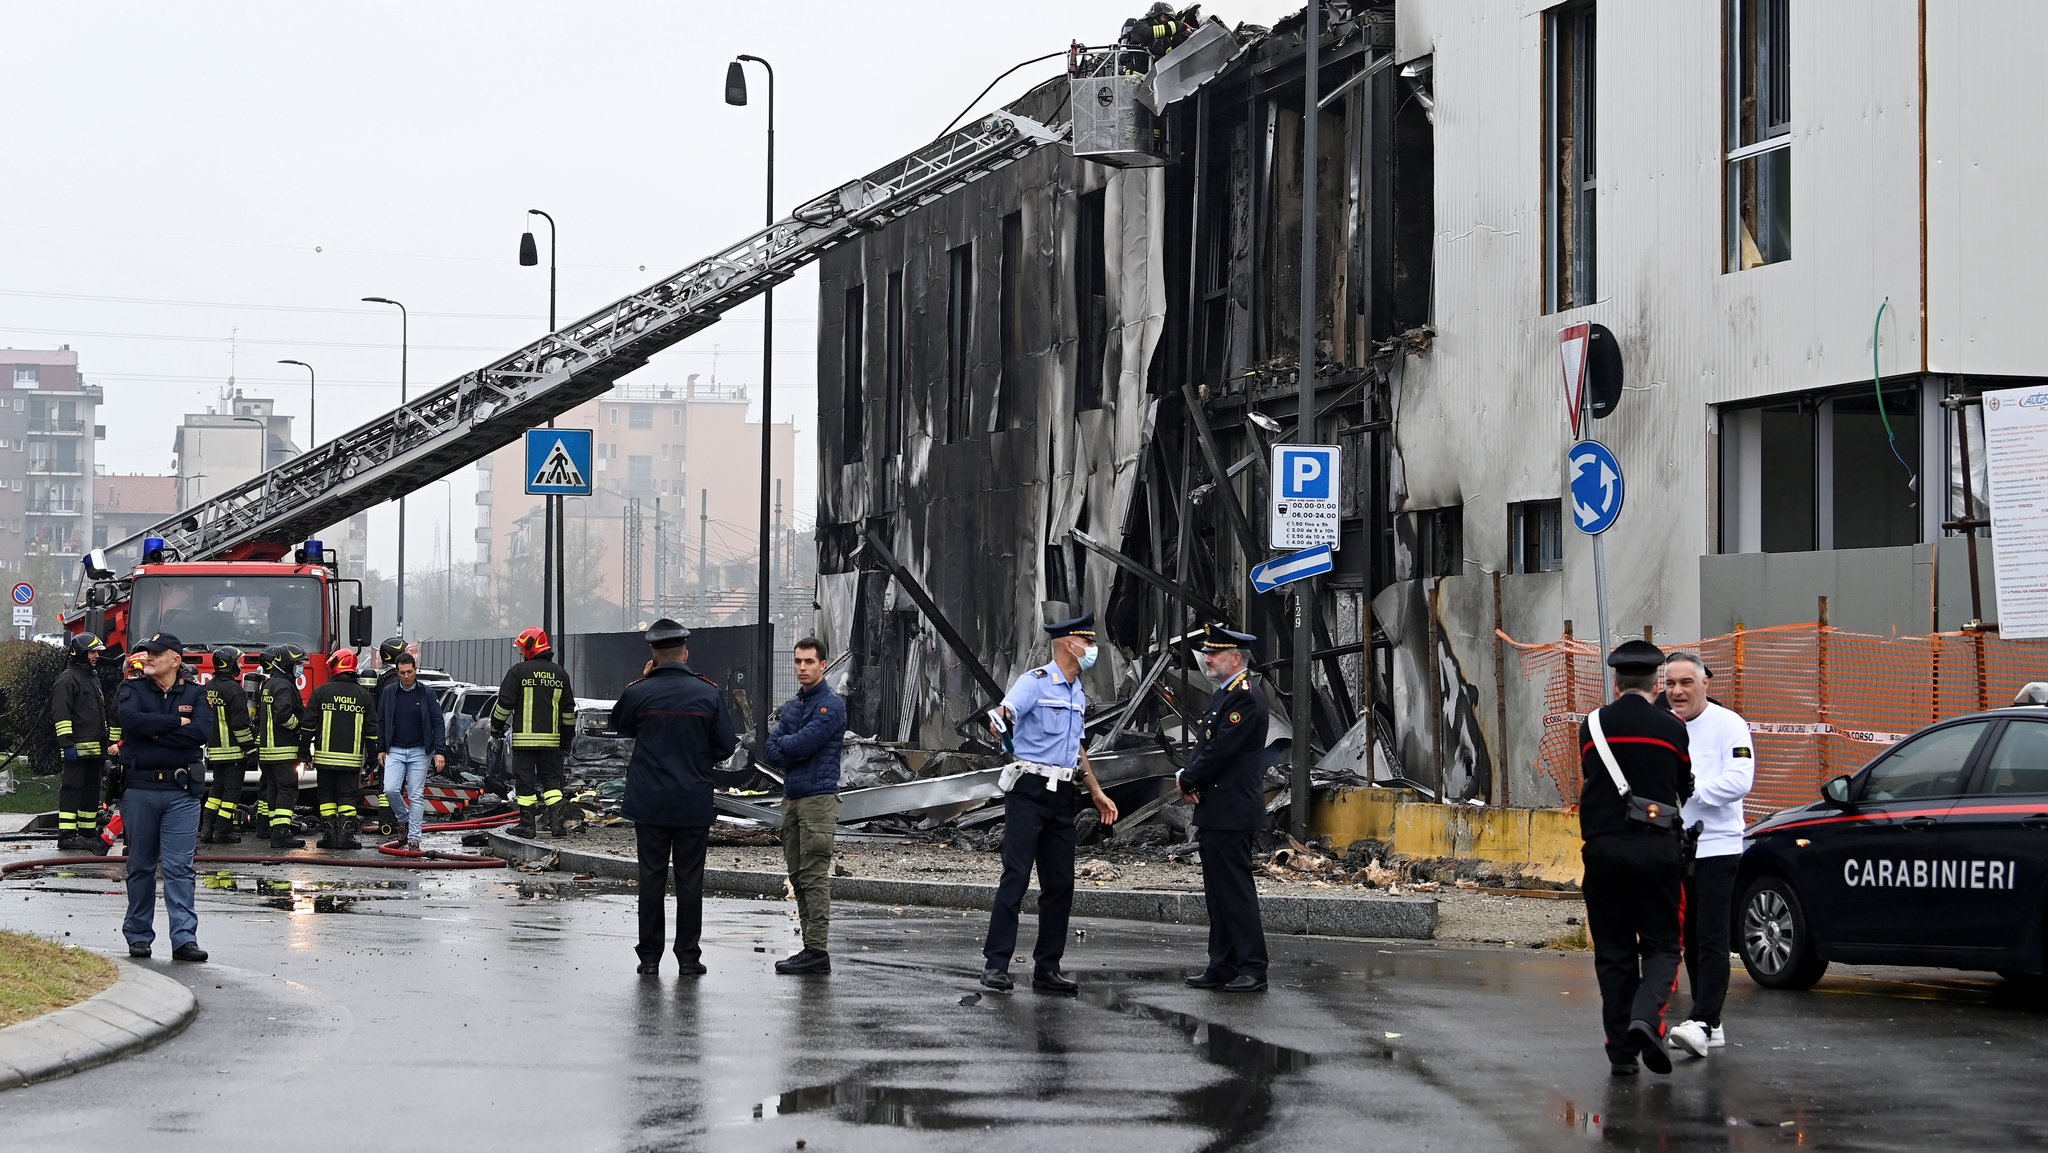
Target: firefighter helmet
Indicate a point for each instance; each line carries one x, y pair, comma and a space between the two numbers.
135, 662
83, 645
227, 661
391, 650
283, 659
343, 662
533, 642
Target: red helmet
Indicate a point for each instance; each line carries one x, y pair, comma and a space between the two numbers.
343, 661
533, 642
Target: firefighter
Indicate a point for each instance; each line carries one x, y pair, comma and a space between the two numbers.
343, 718
83, 740
234, 739
1159, 31
280, 731
538, 705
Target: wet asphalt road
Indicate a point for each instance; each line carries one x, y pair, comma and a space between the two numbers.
491, 1010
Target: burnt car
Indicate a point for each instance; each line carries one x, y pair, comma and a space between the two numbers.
1935, 853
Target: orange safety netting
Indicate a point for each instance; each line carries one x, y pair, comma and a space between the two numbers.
1820, 701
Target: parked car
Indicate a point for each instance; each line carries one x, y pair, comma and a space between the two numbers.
1935, 853
463, 707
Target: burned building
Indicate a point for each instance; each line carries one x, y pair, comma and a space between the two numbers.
1056, 388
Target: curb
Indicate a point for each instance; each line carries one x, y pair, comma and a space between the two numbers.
1407, 918
140, 1009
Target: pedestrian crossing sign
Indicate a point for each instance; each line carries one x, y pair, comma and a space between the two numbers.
558, 461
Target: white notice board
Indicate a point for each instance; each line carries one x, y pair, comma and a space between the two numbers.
2016, 443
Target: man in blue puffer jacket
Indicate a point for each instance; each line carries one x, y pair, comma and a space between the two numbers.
804, 744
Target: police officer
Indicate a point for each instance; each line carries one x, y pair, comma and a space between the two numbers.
80, 715
537, 704
234, 739
680, 732
344, 730
1634, 860
1044, 711
281, 732
1226, 778
165, 730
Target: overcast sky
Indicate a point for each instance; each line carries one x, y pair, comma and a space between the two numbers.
177, 175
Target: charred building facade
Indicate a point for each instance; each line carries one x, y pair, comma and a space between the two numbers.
1056, 389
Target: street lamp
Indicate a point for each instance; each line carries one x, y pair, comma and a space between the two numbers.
554, 599
312, 403
404, 345
448, 576
736, 94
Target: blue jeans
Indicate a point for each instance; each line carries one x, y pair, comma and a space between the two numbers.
163, 829
406, 769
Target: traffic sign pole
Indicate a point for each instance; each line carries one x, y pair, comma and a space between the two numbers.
1599, 578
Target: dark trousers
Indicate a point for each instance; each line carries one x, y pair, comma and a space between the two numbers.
1237, 939
1709, 914
1038, 829
660, 848
1634, 889
78, 800
281, 782
224, 795
338, 790
539, 777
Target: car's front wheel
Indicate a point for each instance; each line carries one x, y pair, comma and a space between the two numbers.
1776, 942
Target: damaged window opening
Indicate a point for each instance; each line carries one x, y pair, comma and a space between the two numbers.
1570, 187
1091, 300
853, 399
1758, 175
1536, 536
893, 433
1010, 388
1818, 472
959, 341
1439, 541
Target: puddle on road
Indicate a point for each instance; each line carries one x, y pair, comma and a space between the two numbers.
1232, 1112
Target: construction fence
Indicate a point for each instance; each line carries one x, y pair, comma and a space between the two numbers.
1821, 701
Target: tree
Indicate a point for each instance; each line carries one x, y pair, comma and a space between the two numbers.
520, 585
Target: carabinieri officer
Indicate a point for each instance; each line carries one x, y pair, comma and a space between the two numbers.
1045, 710
1226, 779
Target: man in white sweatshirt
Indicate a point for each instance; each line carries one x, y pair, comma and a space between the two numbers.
1723, 769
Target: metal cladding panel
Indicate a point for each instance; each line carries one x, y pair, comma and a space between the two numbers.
1986, 233
1481, 417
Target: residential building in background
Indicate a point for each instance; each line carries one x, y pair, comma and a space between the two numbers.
672, 526
124, 504
229, 444
48, 432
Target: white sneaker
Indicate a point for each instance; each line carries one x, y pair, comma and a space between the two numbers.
1689, 1036
1716, 1039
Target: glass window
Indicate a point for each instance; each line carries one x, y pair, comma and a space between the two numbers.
1536, 536
1928, 765
2019, 764
1571, 185
251, 611
25, 376
1758, 175
640, 416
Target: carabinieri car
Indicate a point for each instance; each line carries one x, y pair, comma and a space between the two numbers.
1936, 853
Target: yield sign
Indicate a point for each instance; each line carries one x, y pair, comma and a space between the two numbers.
1574, 341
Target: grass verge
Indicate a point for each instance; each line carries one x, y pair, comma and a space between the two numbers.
32, 794
37, 976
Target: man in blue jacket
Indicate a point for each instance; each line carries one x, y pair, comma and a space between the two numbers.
805, 745
680, 732
165, 728
412, 735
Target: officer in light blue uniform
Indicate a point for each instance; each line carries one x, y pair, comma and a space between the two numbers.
1042, 718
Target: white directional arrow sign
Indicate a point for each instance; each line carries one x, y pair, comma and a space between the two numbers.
1597, 487
1288, 569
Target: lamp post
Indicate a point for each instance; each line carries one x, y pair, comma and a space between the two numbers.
736, 94
404, 344
448, 574
312, 403
554, 599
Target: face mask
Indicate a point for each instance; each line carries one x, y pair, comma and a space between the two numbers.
1088, 657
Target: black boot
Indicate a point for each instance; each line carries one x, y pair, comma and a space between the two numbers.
558, 818
349, 825
281, 838
225, 831
73, 841
206, 827
330, 833
524, 828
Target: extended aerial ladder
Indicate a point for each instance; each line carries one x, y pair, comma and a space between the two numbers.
461, 422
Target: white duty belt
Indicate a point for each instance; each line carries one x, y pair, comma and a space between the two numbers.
1053, 774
